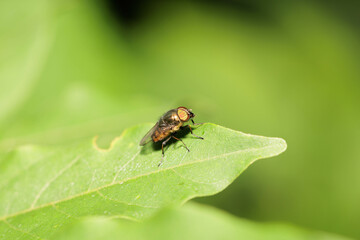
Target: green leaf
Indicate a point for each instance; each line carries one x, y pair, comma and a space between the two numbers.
193, 221
42, 188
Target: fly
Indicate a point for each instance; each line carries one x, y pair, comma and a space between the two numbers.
168, 124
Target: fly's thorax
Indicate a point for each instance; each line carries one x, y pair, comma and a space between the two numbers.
169, 118
175, 117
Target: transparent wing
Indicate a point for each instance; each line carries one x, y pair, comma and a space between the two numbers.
147, 138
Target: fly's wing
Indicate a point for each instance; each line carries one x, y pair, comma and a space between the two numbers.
147, 138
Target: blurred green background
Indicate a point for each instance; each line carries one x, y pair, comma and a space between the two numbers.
74, 69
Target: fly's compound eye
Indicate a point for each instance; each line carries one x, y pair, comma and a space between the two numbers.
183, 115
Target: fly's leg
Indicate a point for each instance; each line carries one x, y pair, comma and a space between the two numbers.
193, 133
181, 141
162, 149
195, 124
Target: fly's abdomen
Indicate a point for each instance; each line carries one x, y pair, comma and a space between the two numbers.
160, 134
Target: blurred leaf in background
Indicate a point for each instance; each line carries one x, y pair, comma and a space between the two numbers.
74, 69
26, 34
193, 221
83, 88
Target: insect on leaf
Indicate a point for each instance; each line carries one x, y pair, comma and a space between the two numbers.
43, 188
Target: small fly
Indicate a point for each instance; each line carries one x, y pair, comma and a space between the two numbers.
168, 124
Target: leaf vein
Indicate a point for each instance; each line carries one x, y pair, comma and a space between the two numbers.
61, 211
92, 180
22, 231
127, 163
9, 180
125, 203
136, 177
47, 184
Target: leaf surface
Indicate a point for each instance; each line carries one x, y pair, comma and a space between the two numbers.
42, 188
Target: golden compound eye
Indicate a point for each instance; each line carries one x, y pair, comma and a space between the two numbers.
183, 115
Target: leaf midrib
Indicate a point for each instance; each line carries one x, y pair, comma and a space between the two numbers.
4, 218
